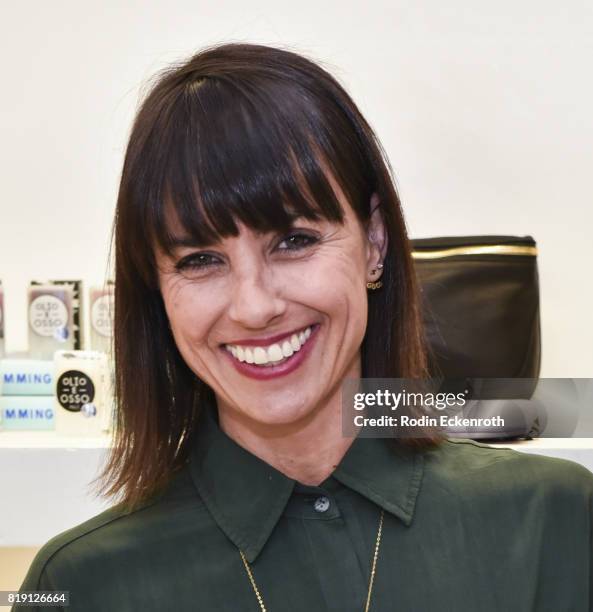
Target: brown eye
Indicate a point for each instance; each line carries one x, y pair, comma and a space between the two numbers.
298, 241
196, 261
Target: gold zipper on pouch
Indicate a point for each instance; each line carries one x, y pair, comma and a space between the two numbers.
478, 249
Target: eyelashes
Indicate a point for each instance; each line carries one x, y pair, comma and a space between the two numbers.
308, 241
297, 241
196, 261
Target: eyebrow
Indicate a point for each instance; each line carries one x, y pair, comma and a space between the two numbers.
176, 242
190, 242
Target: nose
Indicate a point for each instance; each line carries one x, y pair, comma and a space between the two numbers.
255, 298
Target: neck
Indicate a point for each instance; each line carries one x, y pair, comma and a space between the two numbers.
307, 451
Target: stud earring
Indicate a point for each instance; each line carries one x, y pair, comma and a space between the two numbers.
377, 284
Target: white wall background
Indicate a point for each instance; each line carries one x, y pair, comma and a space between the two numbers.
483, 108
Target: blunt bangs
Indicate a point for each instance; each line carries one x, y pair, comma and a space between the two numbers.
248, 151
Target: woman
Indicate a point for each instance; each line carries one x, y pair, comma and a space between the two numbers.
261, 261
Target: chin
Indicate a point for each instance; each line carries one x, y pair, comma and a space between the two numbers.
280, 413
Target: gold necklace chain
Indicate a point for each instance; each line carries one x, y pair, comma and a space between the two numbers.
371, 579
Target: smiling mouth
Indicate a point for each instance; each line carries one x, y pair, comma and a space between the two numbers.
273, 354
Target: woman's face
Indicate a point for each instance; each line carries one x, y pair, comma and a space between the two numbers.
293, 305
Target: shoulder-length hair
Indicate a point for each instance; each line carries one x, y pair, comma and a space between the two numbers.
235, 133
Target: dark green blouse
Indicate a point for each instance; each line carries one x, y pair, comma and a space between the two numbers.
467, 528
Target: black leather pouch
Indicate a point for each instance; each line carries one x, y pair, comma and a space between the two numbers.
480, 297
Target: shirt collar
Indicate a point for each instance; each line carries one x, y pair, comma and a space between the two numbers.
246, 496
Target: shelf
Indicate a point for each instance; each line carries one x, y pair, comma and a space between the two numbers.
45, 479
548, 444
49, 439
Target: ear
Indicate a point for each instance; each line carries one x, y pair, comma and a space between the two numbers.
376, 239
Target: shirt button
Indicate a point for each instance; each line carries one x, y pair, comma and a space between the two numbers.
321, 504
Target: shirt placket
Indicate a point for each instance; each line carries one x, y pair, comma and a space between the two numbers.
327, 564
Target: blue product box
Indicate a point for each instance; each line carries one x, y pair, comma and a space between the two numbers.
26, 377
27, 412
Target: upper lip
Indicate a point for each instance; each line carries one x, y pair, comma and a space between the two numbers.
269, 339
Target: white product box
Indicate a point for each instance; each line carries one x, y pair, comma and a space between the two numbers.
83, 393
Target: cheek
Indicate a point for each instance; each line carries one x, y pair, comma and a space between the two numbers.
336, 278
338, 289
189, 314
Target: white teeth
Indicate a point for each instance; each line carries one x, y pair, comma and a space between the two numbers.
287, 349
275, 352
259, 355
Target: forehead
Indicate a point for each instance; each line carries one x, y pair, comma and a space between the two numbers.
181, 238
199, 228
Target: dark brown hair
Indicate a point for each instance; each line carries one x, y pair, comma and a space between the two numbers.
234, 133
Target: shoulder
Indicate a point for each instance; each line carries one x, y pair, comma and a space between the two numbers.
114, 537
467, 465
